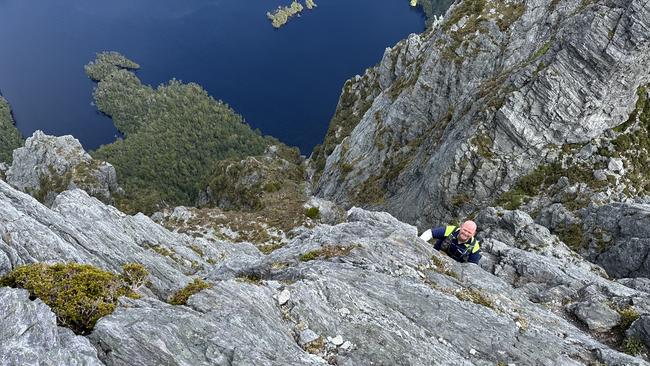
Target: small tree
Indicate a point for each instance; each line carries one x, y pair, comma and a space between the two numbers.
135, 275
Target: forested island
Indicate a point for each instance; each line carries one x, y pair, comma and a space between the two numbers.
282, 14
173, 135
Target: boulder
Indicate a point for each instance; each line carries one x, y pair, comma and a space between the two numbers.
48, 165
641, 329
598, 316
29, 335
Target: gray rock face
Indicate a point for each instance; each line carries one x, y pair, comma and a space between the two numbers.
48, 165
329, 213
29, 335
368, 290
641, 329
3, 170
462, 111
641, 284
598, 317
233, 323
620, 238
79, 228
372, 282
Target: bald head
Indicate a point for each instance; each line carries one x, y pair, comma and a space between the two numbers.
467, 230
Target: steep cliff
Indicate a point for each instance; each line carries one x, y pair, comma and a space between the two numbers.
453, 118
10, 137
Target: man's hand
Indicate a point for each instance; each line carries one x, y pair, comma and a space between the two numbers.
426, 236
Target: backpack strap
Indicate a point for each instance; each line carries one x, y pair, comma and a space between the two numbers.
470, 248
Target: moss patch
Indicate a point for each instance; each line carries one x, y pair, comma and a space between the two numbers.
313, 213
634, 346
78, 294
572, 235
475, 296
326, 252
181, 297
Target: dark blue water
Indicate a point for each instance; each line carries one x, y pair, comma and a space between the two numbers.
285, 82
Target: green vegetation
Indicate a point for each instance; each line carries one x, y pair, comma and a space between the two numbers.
106, 63
10, 137
460, 199
431, 7
173, 135
180, 297
315, 347
135, 275
475, 296
270, 248
236, 184
628, 316
78, 294
544, 176
82, 175
442, 267
542, 50
483, 143
572, 235
313, 213
510, 12
469, 8
476, 12
281, 15
633, 144
252, 278
634, 346
327, 251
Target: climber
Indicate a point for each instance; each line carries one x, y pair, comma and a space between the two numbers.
459, 243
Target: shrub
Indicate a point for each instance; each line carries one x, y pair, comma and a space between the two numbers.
180, 297
313, 213
135, 275
78, 294
628, 316
633, 346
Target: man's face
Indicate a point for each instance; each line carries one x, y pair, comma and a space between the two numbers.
465, 233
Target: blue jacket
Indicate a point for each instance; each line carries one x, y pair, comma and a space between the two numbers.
469, 251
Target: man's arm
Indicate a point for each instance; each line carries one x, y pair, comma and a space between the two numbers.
474, 257
441, 233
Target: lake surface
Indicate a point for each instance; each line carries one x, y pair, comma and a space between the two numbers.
286, 82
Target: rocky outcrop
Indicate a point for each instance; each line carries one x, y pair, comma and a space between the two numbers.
452, 118
641, 330
241, 184
48, 165
29, 335
367, 290
79, 228
617, 236
233, 323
